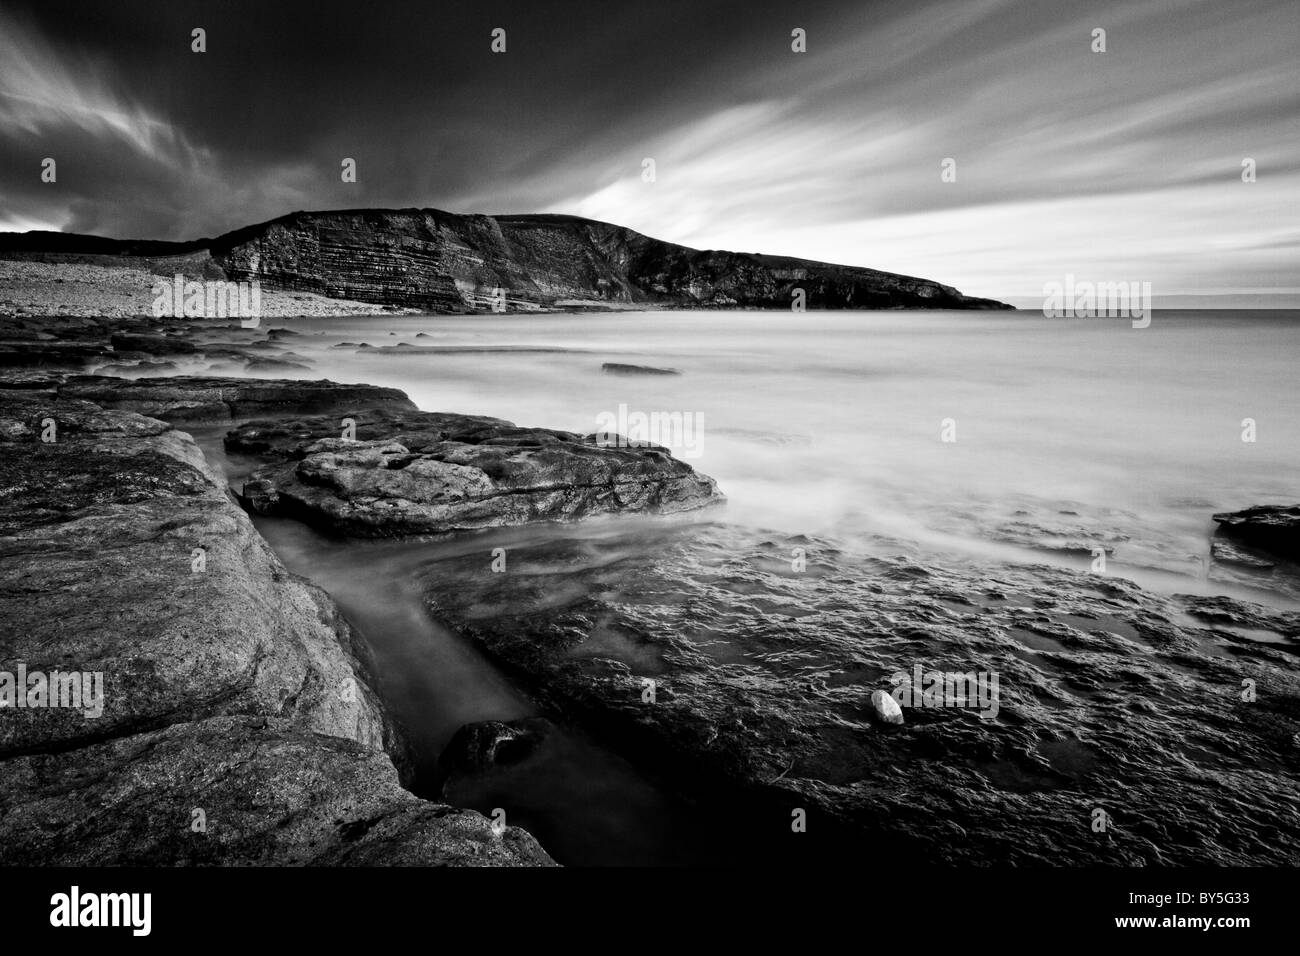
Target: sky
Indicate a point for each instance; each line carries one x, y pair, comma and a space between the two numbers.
1123, 165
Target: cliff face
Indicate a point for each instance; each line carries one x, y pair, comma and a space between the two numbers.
428, 259
437, 261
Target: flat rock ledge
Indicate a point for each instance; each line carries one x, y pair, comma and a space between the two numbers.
233, 722
203, 400
425, 473
1272, 529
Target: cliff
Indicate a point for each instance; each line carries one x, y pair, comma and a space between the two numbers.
437, 261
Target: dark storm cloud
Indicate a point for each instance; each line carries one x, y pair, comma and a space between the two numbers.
1123, 164
286, 90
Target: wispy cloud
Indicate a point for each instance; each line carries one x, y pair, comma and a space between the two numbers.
42, 90
1123, 164
119, 161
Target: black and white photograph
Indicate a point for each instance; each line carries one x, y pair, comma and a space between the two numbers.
675, 445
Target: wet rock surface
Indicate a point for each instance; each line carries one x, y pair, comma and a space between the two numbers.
199, 399
695, 649
699, 650
228, 717
141, 347
144, 381
409, 473
492, 743
1269, 528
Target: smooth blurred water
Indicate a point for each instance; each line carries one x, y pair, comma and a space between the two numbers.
587, 804
1069, 432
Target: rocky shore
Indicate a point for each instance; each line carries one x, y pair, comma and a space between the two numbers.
33, 349
227, 716
750, 671
704, 653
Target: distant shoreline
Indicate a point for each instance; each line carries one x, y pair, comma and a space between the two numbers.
436, 261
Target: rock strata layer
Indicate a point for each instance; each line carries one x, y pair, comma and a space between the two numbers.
436, 261
409, 473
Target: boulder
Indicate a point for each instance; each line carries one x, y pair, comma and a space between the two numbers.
884, 709
491, 743
1274, 529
